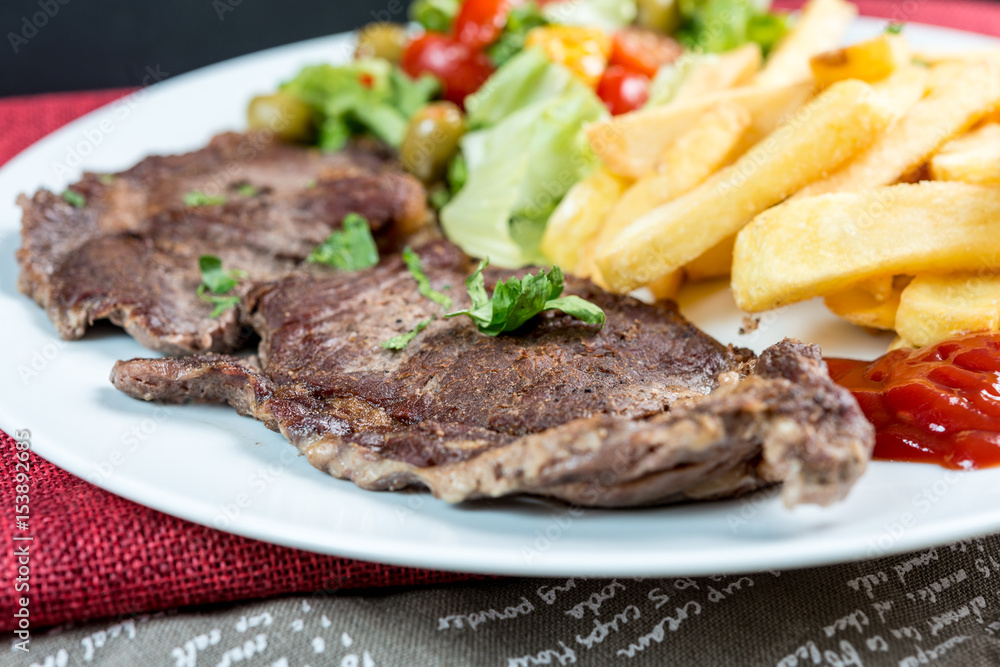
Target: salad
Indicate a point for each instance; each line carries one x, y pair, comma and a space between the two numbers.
486, 100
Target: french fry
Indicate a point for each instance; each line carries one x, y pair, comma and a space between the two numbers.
899, 343
685, 164
695, 156
871, 61
904, 88
720, 72
579, 217
871, 303
631, 144
838, 124
948, 109
934, 58
934, 308
971, 158
821, 245
819, 28
716, 262
667, 287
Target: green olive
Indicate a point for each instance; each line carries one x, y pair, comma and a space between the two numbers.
432, 140
381, 40
287, 116
661, 15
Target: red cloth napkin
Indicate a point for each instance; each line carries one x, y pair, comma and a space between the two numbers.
94, 554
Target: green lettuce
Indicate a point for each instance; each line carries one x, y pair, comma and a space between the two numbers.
671, 77
368, 96
714, 26
608, 15
520, 21
435, 15
528, 151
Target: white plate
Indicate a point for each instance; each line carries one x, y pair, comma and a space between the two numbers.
208, 465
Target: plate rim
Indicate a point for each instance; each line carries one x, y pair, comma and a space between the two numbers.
387, 549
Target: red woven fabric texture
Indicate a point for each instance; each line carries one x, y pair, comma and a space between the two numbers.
95, 554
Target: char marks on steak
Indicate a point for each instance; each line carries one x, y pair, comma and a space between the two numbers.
131, 253
646, 410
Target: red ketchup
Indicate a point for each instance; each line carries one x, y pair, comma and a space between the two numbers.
939, 404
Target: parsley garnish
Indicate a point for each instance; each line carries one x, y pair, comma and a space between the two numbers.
412, 261
216, 281
894, 28
247, 190
350, 249
520, 21
74, 198
402, 340
198, 198
515, 301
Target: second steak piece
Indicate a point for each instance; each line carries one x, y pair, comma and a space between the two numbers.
130, 252
646, 410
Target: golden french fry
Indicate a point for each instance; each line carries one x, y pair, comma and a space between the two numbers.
904, 88
971, 158
899, 343
937, 307
695, 156
871, 303
667, 287
934, 58
579, 217
819, 28
821, 245
687, 162
720, 72
871, 60
631, 144
716, 262
838, 124
948, 109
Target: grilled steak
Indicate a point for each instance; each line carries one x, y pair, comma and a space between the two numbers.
131, 253
646, 410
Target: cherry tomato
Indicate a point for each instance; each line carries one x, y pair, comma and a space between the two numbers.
479, 22
643, 51
623, 90
460, 69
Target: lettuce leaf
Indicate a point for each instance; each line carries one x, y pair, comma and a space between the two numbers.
530, 149
368, 96
527, 79
435, 15
607, 15
714, 26
521, 20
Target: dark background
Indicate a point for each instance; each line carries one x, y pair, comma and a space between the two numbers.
87, 44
